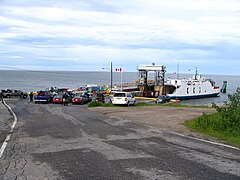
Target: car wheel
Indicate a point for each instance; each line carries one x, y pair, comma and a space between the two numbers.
128, 103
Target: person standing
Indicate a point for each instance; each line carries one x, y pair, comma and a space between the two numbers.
1, 96
65, 99
31, 96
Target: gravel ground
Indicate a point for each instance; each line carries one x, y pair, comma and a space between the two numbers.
163, 117
5, 122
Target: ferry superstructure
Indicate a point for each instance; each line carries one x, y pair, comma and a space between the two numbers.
192, 88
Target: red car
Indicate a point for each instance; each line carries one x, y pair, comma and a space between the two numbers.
79, 98
59, 98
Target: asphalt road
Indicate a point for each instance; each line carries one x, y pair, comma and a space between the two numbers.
71, 142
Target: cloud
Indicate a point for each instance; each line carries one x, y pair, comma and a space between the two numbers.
125, 32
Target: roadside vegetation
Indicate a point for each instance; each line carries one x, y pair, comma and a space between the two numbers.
224, 124
99, 104
177, 104
139, 104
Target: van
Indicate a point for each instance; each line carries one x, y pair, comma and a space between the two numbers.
123, 98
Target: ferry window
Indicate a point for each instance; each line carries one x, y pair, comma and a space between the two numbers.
187, 90
199, 89
194, 90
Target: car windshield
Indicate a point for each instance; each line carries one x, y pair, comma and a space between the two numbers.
78, 95
119, 95
59, 95
100, 95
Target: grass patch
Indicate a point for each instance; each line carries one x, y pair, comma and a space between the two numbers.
99, 104
185, 105
139, 104
212, 125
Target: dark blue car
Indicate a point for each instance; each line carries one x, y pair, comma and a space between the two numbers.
43, 97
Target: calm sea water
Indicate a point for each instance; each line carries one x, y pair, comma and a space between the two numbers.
40, 80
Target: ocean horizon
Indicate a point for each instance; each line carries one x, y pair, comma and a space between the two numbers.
27, 80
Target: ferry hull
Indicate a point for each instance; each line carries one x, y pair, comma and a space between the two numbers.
194, 96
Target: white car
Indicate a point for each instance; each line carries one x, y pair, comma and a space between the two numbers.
123, 98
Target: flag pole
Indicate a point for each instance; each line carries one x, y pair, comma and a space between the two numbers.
121, 81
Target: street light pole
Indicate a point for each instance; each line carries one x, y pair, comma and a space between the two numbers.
111, 75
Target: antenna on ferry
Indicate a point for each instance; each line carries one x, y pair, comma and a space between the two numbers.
196, 72
177, 70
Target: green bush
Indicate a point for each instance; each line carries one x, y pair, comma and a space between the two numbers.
224, 124
230, 113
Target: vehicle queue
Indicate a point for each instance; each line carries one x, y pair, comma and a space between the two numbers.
62, 96
65, 96
82, 96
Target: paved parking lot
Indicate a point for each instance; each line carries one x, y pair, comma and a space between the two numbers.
72, 142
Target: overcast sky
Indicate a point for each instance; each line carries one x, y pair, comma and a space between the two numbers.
86, 35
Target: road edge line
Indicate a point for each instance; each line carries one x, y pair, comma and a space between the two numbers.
207, 141
4, 145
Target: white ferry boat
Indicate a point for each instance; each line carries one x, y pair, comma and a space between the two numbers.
192, 88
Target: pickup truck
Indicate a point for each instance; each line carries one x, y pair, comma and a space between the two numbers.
13, 93
43, 97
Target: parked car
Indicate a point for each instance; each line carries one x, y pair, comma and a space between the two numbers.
14, 93
113, 90
81, 98
58, 98
100, 97
162, 99
43, 96
123, 98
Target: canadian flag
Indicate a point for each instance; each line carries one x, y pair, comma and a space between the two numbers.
119, 69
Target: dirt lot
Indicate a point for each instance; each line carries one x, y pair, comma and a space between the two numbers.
167, 118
